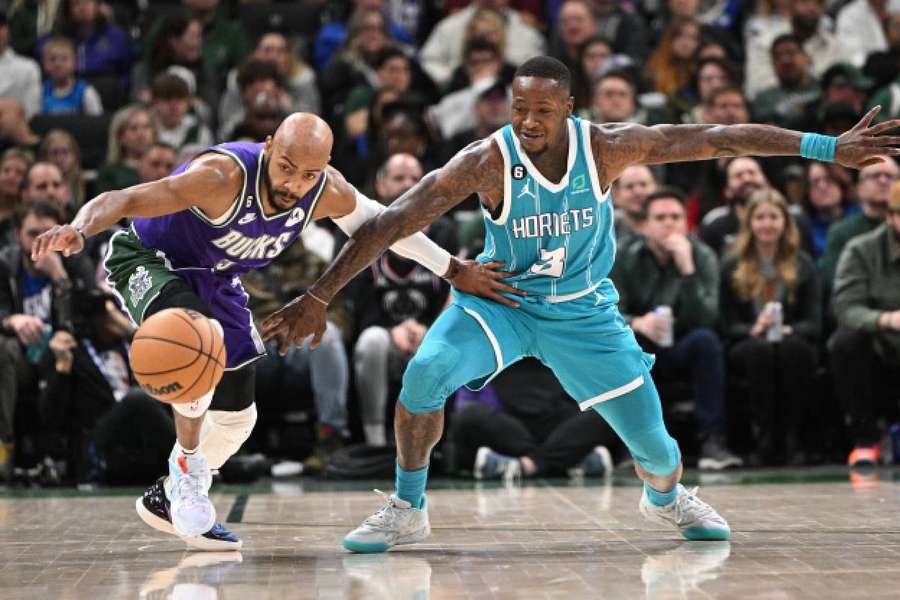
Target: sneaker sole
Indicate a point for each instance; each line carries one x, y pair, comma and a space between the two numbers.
698, 534
198, 543
376, 547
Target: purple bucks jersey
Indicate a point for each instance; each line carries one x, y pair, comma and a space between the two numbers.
211, 254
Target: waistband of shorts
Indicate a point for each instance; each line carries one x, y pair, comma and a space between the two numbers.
572, 296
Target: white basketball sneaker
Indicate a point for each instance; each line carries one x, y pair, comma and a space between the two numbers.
187, 487
397, 522
694, 518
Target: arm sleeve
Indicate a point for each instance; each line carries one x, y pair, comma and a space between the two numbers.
851, 292
416, 247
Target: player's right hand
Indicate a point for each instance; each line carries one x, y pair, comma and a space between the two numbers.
59, 238
294, 322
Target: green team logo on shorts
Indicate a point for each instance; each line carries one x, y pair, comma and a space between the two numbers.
139, 284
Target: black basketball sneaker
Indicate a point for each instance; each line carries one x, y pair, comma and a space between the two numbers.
153, 509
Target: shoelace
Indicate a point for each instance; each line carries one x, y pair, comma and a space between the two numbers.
689, 503
385, 515
189, 484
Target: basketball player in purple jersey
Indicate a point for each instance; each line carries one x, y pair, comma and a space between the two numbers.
232, 208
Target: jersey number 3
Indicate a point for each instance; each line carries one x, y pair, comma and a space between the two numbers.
551, 264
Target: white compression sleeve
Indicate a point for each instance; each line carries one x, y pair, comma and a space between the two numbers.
416, 247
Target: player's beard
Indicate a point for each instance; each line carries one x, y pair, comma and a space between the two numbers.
291, 200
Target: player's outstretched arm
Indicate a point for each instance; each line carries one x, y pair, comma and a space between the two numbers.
211, 184
617, 146
473, 170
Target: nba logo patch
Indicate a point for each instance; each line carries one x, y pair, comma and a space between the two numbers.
139, 284
296, 217
518, 172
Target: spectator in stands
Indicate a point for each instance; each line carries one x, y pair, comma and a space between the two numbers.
224, 43
829, 198
131, 132
673, 62
534, 429
491, 113
254, 77
744, 176
665, 267
873, 190
14, 163
263, 116
393, 73
296, 77
623, 28
399, 173
28, 21
574, 27
443, 51
352, 64
44, 182
101, 48
595, 56
403, 131
726, 106
179, 43
810, 24
158, 161
844, 83
333, 35
62, 92
628, 193
711, 75
395, 301
865, 350
60, 148
15, 131
86, 382
774, 348
35, 301
176, 123
860, 28
786, 103
482, 59
21, 76
615, 100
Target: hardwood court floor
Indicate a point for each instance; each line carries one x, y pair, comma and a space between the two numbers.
806, 534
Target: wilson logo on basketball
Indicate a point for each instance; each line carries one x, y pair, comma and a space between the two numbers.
161, 390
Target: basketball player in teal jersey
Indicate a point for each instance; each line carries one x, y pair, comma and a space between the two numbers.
544, 185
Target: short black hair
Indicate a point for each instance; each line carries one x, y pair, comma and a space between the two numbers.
167, 86
546, 67
792, 38
42, 209
388, 53
257, 70
664, 192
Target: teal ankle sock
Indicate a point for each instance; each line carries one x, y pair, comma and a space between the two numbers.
411, 485
657, 498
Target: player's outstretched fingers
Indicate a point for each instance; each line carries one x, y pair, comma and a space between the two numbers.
886, 126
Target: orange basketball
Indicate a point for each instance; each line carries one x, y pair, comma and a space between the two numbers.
178, 355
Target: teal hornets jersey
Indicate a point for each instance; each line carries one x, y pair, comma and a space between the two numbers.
557, 237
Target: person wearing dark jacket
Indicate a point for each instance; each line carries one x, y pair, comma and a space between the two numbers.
35, 306
771, 317
664, 268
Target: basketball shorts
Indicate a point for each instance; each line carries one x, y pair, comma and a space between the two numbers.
139, 275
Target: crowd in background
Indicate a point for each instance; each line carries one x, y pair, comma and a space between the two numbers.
767, 288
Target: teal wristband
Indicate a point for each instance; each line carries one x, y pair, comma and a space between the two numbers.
818, 147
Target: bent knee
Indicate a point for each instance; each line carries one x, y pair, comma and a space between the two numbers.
430, 378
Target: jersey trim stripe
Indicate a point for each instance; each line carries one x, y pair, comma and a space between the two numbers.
538, 176
232, 212
312, 205
591, 160
615, 393
507, 183
498, 354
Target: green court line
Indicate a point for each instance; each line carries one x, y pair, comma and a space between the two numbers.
237, 509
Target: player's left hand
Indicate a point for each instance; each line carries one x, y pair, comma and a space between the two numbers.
861, 146
485, 280
294, 322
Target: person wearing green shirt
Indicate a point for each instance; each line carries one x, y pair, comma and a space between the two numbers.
873, 190
865, 350
786, 104
665, 268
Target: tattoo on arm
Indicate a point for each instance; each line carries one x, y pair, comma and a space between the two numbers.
474, 169
618, 146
